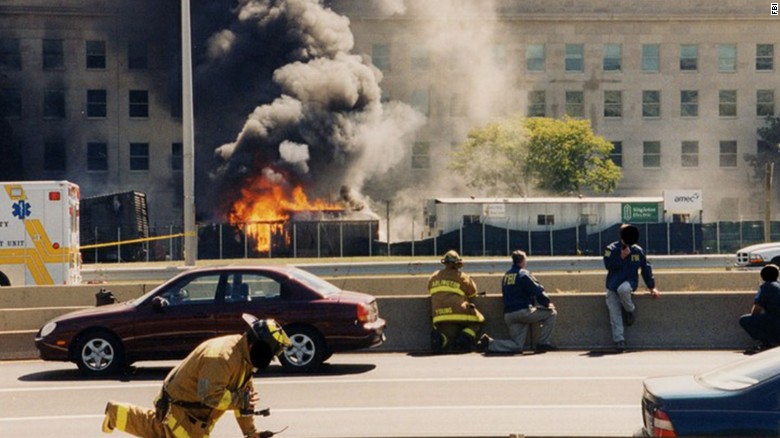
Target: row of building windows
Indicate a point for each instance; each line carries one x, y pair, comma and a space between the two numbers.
689, 154
612, 58
53, 54
651, 154
574, 103
651, 103
55, 156
54, 103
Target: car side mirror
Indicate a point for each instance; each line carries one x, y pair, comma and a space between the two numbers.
159, 303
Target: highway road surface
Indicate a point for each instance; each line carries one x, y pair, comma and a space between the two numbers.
565, 393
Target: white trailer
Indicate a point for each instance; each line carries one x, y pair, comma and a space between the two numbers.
39, 233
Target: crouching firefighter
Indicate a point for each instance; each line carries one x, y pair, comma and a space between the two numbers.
214, 378
456, 320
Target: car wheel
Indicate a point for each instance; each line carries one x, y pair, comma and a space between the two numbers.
776, 261
98, 353
308, 349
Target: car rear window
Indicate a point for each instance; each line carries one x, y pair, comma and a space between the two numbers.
315, 282
743, 373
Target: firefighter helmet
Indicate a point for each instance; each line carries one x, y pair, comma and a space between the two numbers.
452, 257
267, 331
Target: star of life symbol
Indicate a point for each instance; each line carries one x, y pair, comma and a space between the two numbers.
21, 209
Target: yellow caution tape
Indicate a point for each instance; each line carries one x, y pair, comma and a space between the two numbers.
140, 240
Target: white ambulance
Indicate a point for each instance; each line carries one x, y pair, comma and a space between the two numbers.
39, 233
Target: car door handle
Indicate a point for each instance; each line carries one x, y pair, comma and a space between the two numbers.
201, 315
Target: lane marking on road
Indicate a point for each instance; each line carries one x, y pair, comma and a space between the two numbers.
379, 409
275, 382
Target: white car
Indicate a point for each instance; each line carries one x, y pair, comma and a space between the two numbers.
759, 255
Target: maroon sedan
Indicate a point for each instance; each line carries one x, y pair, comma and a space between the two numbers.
169, 321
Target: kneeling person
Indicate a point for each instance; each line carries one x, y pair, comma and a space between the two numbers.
214, 378
525, 303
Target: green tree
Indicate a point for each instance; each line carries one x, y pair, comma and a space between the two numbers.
511, 157
566, 156
494, 158
768, 150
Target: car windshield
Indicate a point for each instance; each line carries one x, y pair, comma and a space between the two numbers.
314, 282
743, 373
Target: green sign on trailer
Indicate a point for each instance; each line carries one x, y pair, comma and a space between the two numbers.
639, 212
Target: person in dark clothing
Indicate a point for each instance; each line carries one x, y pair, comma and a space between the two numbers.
763, 321
624, 259
525, 303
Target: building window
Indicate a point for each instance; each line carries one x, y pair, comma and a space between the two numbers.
536, 103
10, 54
651, 58
471, 219
575, 58
420, 59
139, 156
420, 102
54, 156
177, 157
457, 105
421, 155
617, 153
689, 57
137, 55
380, 56
727, 103
765, 57
53, 55
728, 153
689, 103
97, 103
54, 104
139, 103
10, 102
96, 54
575, 104
690, 154
534, 57
97, 157
651, 103
613, 103
727, 58
613, 57
765, 103
545, 219
651, 154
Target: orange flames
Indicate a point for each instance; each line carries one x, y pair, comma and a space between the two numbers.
264, 208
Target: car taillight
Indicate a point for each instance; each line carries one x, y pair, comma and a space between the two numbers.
366, 312
662, 425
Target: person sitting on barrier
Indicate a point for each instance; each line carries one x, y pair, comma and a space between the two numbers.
763, 321
623, 260
525, 303
456, 320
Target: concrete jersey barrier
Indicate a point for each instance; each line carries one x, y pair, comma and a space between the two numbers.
688, 318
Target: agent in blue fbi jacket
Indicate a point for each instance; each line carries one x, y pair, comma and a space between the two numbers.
624, 259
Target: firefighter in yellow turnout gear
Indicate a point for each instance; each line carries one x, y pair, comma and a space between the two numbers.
456, 320
214, 378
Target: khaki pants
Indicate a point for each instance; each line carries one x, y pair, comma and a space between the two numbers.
142, 422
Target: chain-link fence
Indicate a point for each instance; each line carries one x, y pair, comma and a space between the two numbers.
314, 239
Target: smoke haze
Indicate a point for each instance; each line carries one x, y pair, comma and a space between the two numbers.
282, 95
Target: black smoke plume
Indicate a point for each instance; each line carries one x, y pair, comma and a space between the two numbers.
315, 116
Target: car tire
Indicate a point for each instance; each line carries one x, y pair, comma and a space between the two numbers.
98, 353
776, 261
308, 350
